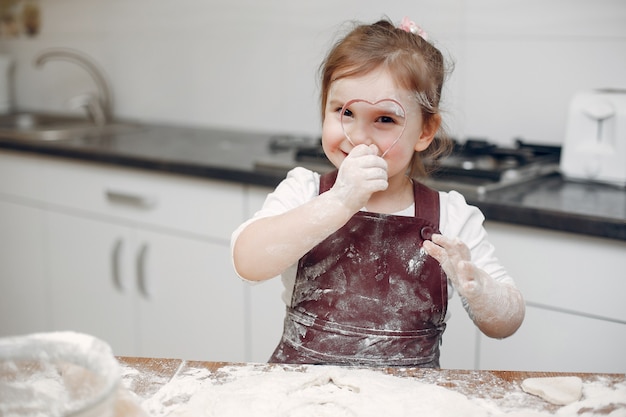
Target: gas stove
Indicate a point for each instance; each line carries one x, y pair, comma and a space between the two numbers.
478, 166
473, 168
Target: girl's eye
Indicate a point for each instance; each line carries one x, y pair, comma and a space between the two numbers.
386, 119
346, 112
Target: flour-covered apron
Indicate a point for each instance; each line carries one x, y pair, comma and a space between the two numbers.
368, 294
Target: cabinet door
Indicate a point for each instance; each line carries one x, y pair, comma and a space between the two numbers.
566, 280
558, 342
563, 270
90, 279
458, 345
190, 305
23, 287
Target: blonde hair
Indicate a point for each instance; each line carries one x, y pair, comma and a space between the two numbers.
415, 64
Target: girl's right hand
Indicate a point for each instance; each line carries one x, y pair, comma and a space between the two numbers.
361, 174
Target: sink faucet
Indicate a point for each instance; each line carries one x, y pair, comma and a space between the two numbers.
100, 107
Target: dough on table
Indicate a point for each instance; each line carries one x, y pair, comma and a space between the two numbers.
560, 390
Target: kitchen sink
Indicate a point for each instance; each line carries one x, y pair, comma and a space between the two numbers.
56, 127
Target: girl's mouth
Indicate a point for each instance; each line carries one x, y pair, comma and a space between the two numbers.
343, 152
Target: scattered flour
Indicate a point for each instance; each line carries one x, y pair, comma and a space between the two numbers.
297, 391
326, 391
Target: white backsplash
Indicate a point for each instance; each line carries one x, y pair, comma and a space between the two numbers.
253, 65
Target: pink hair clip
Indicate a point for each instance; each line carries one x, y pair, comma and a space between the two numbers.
410, 26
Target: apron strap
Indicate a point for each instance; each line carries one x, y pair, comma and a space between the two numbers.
328, 180
426, 203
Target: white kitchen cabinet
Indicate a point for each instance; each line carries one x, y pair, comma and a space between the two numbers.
458, 346
23, 285
574, 287
146, 293
192, 306
139, 259
21, 176
558, 342
88, 266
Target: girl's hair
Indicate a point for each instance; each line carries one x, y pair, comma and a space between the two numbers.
415, 64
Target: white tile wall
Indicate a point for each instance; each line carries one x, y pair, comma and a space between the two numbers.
253, 65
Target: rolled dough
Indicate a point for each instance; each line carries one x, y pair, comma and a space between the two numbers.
561, 390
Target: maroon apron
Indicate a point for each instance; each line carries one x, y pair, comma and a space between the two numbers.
369, 294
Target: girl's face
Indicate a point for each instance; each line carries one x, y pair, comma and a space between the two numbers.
369, 89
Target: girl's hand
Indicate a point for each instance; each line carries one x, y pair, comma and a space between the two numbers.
360, 175
497, 308
455, 259
270, 245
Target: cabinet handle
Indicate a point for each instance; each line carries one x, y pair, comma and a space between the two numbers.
131, 199
142, 281
116, 265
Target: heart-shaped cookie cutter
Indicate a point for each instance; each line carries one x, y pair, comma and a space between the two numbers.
387, 108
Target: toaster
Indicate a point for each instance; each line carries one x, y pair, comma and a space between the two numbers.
594, 148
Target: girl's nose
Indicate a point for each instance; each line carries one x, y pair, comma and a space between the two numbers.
357, 132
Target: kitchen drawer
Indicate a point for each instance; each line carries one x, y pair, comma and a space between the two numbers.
564, 271
21, 175
206, 207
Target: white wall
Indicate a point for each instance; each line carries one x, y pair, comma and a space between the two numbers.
252, 64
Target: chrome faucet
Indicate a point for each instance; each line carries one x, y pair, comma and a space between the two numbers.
99, 107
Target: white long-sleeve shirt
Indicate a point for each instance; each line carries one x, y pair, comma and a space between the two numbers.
457, 219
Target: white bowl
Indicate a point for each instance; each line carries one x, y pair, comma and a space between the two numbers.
57, 374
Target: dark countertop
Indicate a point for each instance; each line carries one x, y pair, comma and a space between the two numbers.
554, 203
549, 202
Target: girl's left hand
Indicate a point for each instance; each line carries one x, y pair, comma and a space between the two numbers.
455, 259
497, 308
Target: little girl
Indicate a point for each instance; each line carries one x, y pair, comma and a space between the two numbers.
367, 253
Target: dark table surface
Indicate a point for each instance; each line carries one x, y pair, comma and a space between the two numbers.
238, 156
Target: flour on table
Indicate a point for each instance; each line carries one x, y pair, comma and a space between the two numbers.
171, 396
561, 390
262, 390
328, 391
598, 400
